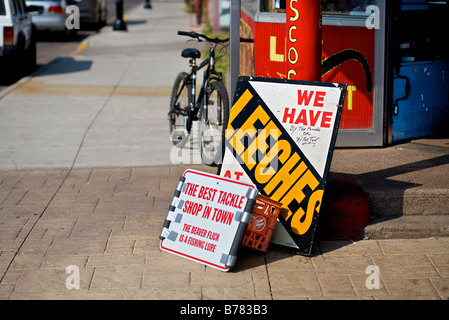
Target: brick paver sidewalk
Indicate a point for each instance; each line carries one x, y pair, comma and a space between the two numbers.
106, 223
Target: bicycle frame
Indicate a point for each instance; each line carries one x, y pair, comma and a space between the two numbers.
209, 74
210, 107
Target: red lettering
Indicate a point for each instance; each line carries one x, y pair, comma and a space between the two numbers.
210, 247
192, 208
326, 120
223, 216
241, 202
319, 98
207, 193
202, 191
191, 189
213, 236
228, 175
289, 115
313, 120
302, 96
310, 118
230, 199
302, 118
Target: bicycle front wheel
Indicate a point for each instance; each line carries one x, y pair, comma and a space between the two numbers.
213, 120
178, 112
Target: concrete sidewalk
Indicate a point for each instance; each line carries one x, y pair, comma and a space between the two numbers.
86, 179
106, 106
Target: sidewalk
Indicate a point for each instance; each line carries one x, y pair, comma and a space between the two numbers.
86, 180
107, 222
106, 106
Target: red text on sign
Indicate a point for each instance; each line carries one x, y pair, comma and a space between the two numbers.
192, 208
311, 118
211, 235
236, 173
191, 189
305, 97
207, 193
223, 216
230, 199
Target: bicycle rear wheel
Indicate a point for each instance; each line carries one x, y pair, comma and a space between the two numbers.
212, 123
178, 112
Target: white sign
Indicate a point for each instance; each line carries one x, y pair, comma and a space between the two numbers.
280, 136
207, 219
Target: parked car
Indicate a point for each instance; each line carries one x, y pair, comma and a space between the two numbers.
51, 15
17, 40
92, 12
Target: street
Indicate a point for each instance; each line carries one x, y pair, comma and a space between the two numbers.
51, 45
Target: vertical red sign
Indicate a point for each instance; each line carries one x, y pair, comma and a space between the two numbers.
303, 40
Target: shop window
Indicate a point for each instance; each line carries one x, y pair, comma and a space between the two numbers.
272, 5
423, 34
2, 8
328, 6
345, 6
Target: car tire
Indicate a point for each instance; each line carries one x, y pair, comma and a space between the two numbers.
30, 57
16, 65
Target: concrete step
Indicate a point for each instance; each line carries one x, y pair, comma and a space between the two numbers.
408, 227
350, 212
400, 180
393, 203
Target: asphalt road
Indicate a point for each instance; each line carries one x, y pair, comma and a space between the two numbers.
52, 45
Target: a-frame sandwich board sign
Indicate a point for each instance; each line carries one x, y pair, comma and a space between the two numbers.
280, 136
207, 218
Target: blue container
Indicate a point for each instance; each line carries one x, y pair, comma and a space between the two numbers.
426, 110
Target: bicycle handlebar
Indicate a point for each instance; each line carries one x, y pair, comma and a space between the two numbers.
197, 36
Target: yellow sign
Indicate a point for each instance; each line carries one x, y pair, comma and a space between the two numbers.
264, 143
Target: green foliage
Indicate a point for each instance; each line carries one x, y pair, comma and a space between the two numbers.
221, 53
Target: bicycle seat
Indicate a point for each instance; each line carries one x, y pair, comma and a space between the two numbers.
191, 53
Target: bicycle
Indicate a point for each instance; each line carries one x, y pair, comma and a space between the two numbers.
210, 108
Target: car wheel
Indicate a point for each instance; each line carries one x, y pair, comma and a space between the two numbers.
17, 65
30, 57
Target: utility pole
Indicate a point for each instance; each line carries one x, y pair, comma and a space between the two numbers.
119, 24
303, 40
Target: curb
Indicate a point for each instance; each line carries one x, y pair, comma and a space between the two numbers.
408, 227
384, 203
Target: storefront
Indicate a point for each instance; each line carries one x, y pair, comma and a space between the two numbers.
388, 53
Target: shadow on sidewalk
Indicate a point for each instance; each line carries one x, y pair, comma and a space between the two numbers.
389, 198
381, 176
249, 258
384, 186
134, 22
380, 179
64, 65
